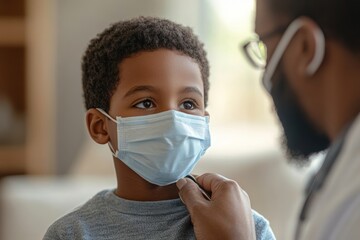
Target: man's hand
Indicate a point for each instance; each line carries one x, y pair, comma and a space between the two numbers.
227, 216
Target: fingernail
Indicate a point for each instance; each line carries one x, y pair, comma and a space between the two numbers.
180, 183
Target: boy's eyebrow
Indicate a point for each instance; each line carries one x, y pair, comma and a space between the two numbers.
136, 89
192, 90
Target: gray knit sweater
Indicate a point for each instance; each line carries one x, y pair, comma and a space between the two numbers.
108, 217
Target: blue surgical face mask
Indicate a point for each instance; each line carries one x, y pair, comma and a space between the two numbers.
162, 147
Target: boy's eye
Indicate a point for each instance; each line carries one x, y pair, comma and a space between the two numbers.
188, 105
145, 104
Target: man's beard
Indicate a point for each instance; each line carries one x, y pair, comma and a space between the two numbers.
301, 139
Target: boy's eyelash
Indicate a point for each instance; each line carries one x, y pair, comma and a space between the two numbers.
192, 100
142, 100
153, 101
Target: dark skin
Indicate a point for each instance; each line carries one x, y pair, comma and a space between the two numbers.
150, 82
330, 97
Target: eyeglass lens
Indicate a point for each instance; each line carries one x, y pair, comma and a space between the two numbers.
256, 51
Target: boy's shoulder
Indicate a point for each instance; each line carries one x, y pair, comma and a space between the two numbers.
65, 226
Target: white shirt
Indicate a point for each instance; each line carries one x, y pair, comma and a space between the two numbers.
334, 212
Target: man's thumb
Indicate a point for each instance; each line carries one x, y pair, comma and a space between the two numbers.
190, 193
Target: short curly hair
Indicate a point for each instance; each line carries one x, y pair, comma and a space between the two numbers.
100, 73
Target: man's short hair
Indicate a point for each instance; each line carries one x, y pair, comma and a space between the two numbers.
337, 18
100, 73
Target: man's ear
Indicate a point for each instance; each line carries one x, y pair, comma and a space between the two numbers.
313, 47
207, 114
97, 126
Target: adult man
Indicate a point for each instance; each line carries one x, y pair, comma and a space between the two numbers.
313, 75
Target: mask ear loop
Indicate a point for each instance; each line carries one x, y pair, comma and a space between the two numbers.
319, 52
283, 44
107, 115
279, 51
113, 152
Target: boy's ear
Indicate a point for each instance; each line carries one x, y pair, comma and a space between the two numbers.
97, 126
207, 114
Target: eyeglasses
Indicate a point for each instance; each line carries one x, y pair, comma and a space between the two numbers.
255, 50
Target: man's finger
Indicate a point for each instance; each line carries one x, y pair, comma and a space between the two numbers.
219, 185
211, 181
190, 193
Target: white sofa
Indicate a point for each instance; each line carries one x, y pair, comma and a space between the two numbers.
30, 204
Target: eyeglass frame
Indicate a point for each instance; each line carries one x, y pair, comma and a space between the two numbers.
244, 46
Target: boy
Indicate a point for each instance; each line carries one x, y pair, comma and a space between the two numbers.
145, 85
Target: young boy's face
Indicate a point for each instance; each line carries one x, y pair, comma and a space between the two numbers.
157, 81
